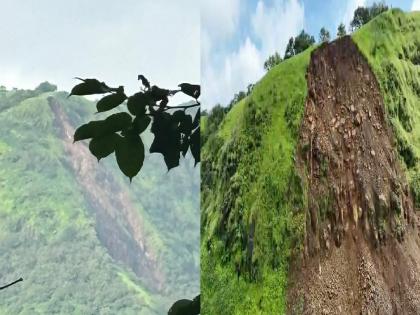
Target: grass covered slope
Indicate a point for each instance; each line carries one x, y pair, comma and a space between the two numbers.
49, 228
251, 197
391, 44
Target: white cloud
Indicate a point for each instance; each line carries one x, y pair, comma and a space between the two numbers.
415, 6
226, 70
275, 25
238, 70
220, 18
56, 41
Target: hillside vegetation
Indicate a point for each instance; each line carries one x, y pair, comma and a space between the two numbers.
247, 172
253, 201
68, 224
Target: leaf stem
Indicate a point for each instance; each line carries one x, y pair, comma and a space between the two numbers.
183, 106
8, 285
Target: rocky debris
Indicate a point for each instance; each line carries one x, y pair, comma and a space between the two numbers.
360, 214
350, 142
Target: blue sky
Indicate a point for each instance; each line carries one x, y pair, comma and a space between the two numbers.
238, 35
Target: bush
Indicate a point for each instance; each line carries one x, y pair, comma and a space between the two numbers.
46, 87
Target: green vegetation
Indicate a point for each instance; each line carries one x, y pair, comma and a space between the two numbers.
252, 198
298, 44
362, 15
175, 132
48, 232
341, 30
272, 61
324, 35
391, 44
253, 201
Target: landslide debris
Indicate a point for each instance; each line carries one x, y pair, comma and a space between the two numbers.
361, 251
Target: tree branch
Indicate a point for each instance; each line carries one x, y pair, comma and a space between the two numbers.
14, 282
183, 106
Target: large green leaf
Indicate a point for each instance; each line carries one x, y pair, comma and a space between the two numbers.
167, 139
89, 130
117, 122
110, 101
178, 115
159, 94
186, 307
192, 90
185, 144
129, 152
196, 121
185, 125
114, 123
140, 123
89, 87
103, 146
137, 103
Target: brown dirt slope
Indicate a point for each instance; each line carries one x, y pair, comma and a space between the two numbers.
362, 247
121, 232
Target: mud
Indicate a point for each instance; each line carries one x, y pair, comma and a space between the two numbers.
362, 250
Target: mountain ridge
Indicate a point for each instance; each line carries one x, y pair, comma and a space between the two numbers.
80, 235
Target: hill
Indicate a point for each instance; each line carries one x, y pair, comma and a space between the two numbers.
85, 240
280, 223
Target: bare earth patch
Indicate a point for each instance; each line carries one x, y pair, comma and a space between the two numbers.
362, 247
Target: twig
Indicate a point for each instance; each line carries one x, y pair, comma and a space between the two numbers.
14, 282
183, 106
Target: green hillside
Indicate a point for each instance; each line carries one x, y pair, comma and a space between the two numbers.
85, 240
253, 202
247, 169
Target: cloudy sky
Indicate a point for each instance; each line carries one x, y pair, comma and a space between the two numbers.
238, 35
111, 40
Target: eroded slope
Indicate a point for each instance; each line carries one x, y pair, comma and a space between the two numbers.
362, 249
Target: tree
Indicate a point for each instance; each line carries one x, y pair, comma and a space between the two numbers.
236, 98
324, 35
175, 131
214, 118
377, 8
298, 44
303, 41
272, 61
290, 51
362, 15
46, 87
249, 88
341, 30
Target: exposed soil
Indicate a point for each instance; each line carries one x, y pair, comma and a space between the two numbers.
362, 247
118, 223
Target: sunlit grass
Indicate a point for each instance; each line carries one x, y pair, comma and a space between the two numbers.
276, 106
